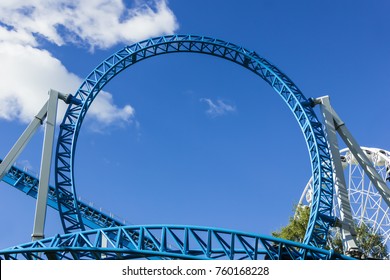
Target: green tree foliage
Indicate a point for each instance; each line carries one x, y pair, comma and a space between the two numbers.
295, 230
369, 243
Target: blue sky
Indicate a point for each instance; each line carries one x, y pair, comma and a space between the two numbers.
185, 138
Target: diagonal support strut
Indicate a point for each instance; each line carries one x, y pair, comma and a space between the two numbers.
49, 113
333, 125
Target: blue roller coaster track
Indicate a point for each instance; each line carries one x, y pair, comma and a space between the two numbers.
169, 242
145, 242
28, 184
174, 242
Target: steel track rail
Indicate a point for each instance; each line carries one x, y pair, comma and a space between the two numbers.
321, 209
92, 217
28, 184
170, 242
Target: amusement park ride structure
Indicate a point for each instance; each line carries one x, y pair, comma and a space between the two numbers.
107, 238
367, 205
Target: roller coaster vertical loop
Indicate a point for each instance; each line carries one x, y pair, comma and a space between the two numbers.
301, 107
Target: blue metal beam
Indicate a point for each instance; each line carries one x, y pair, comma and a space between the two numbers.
185, 242
28, 184
300, 106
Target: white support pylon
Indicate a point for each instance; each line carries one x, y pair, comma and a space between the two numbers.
48, 112
44, 176
334, 124
21, 143
346, 220
362, 159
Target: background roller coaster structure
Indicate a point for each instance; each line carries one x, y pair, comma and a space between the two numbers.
92, 234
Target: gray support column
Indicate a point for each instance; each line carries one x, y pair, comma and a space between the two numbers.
43, 187
346, 219
21, 143
48, 112
362, 159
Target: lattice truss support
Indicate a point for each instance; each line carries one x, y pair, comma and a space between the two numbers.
169, 242
320, 217
27, 183
368, 206
144, 242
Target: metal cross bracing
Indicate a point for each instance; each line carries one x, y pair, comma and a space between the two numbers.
345, 196
367, 205
170, 242
27, 183
92, 217
321, 208
75, 216
58, 247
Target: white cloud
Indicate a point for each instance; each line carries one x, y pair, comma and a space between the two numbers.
96, 23
106, 112
28, 71
25, 164
27, 75
218, 108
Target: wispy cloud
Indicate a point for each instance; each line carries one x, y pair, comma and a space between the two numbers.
29, 70
26, 164
218, 108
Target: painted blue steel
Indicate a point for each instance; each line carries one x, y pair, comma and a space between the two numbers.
320, 217
28, 184
170, 242
94, 219
91, 217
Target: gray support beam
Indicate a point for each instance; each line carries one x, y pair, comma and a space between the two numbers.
362, 159
48, 112
47, 151
21, 143
346, 220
